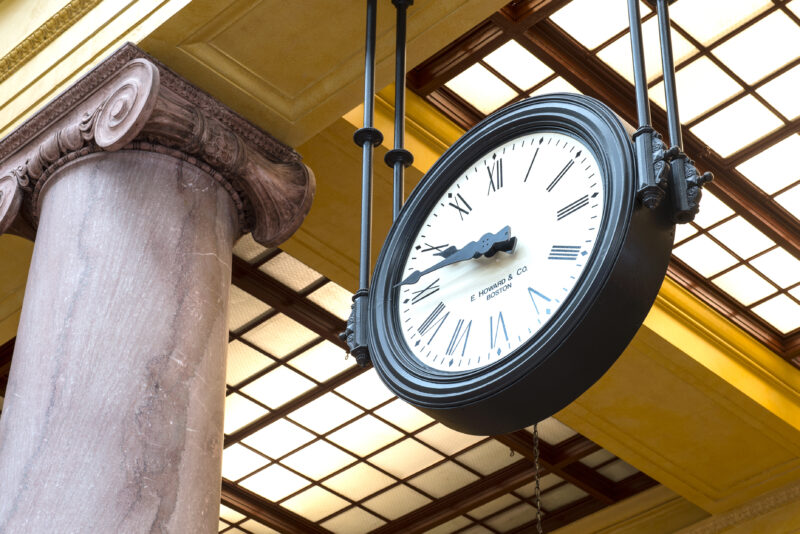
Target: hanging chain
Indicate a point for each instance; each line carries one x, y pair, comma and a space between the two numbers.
538, 490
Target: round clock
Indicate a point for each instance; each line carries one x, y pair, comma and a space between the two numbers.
519, 269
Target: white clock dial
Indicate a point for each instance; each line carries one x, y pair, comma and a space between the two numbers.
548, 189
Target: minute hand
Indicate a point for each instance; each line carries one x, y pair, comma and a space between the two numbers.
487, 246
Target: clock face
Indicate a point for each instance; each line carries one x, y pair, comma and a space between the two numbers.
547, 188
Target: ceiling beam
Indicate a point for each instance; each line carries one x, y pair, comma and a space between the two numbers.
267, 512
462, 500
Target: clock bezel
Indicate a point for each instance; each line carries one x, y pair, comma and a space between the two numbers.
466, 399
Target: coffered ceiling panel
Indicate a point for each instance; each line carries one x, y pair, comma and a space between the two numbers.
293, 68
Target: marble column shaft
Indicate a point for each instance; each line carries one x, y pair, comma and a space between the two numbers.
135, 189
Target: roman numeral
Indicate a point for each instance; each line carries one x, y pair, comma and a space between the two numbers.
495, 175
457, 205
429, 248
564, 252
572, 207
495, 330
532, 293
560, 175
457, 340
425, 293
433, 320
531, 165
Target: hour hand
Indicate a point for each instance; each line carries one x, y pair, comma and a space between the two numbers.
488, 246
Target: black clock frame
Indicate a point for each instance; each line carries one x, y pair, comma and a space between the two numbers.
595, 323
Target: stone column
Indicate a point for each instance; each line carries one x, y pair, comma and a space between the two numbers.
135, 186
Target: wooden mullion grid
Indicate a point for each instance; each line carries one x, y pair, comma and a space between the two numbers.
590, 75
287, 301
265, 511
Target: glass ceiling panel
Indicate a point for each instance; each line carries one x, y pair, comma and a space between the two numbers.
279, 335
618, 53
243, 308
243, 362
701, 85
713, 211
519, 66
443, 479
403, 415
488, 457
278, 438
278, 387
229, 514
322, 361
238, 461
366, 390
742, 237
365, 435
743, 284
446, 440
334, 298
315, 503
274, 482
707, 20
318, 460
485, 91
725, 131
255, 527
781, 311
562, 496
684, 231
782, 93
240, 411
556, 85
247, 249
396, 502
325, 413
553, 431
406, 458
762, 48
780, 266
704, 256
358, 481
617, 470
579, 19
290, 272
774, 168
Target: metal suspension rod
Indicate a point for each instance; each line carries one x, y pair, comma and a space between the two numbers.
649, 192
668, 67
399, 158
682, 211
367, 138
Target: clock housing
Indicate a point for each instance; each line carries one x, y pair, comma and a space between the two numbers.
595, 322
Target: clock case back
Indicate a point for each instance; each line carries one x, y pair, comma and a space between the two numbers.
595, 323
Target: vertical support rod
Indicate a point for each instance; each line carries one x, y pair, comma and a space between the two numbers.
367, 138
649, 192
367, 146
678, 187
668, 67
399, 158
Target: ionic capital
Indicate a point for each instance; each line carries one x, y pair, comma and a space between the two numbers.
132, 102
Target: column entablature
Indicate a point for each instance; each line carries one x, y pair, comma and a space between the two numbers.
132, 102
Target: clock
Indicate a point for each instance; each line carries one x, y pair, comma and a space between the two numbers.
519, 269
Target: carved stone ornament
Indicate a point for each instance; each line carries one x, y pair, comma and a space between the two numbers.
133, 102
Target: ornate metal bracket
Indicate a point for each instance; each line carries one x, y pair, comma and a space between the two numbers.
355, 335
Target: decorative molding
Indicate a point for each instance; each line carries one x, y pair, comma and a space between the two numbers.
44, 35
131, 102
752, 510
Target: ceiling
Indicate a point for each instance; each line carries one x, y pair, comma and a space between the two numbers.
314, 443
